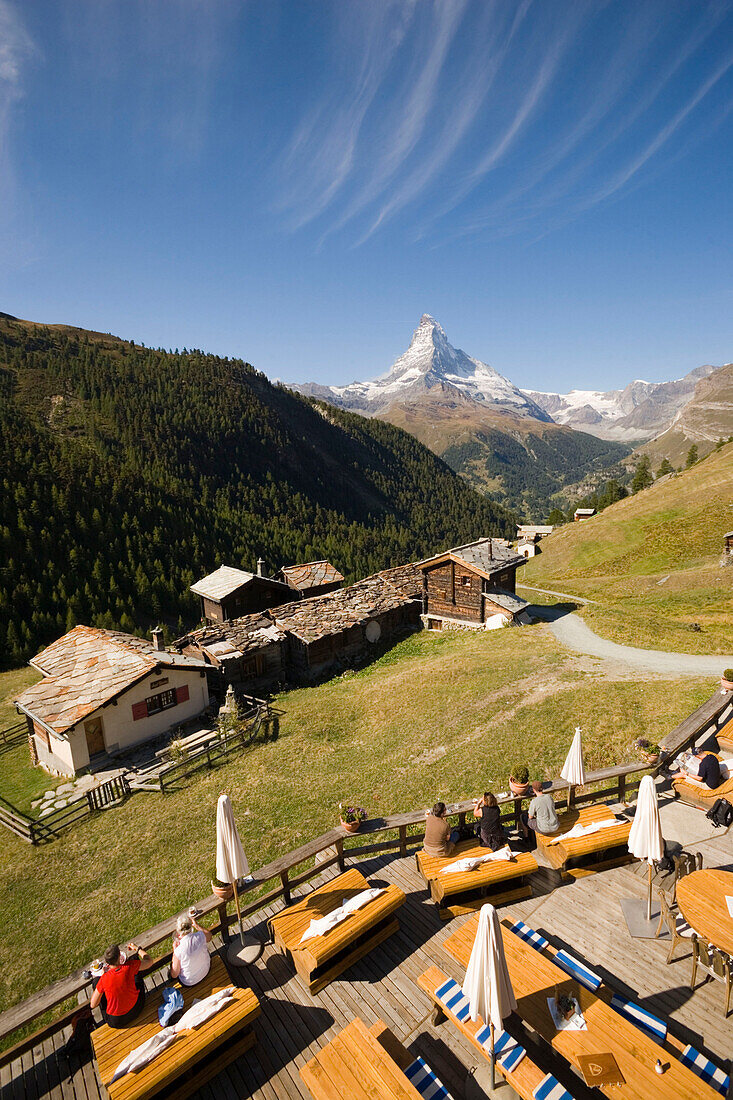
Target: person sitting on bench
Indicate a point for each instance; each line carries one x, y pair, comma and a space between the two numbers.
120, 991
489, 831
708, 770
191, 960
440, 839
541, 817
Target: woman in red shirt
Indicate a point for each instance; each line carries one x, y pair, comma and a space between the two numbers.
120, 990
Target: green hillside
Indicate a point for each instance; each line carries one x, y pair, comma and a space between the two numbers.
652, 562
126, 472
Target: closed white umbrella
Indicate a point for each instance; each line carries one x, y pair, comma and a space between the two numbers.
573, 770
232, 865
645, 836
487, 983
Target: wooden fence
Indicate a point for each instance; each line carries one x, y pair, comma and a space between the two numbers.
41, 830
264, 721
403, 832
14, 735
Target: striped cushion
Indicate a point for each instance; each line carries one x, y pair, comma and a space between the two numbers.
550, 1088
639, 1016
509, 1052
425, 1081
711, 1074
529, 935
452, 996
579, 970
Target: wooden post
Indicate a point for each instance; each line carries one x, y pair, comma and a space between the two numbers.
340, 854
224, 921
286, 885
622, 788
493, 1059
403, 840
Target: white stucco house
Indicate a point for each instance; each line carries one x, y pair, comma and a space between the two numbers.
102, 692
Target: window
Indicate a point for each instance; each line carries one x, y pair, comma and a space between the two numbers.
160, 702
466, 582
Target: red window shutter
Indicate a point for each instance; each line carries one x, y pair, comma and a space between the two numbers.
182, 694
139, 710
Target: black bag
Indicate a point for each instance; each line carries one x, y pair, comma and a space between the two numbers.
721, 813
79, 1042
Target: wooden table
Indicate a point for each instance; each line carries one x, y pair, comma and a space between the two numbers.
355, 1066
497, 881
321, 959
535, 978
191, 1060
701, 899
561, 853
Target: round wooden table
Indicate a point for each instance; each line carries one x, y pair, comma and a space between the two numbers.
701, 898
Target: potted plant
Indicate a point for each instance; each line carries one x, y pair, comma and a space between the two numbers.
519, 780
222, 890
726, 680
565, 1006
648, 750
351, 817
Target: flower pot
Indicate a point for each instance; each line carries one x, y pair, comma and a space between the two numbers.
519, 789
652, 757
350, 826
223, 892
726, 685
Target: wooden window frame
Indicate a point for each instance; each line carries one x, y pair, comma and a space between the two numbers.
163, 701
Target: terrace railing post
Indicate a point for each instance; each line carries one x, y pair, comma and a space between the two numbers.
622, 788
517, 814
286, 885
340, 854
224, 921
403, 840
461, 819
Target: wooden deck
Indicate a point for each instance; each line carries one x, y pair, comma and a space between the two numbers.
582, 913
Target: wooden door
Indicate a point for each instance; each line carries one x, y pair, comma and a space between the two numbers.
95, 736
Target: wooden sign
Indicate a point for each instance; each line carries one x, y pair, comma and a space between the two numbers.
600, 1069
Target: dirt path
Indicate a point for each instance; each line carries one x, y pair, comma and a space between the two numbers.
574, 633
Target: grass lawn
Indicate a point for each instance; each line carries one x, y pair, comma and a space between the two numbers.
651, 563
439, 716
20, 784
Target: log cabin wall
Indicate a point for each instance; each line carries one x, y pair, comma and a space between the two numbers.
454, 591
255, 596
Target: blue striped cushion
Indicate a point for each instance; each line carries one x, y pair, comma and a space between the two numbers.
579, 970
529, 935
711, 1074
550, 1088
508, 1051
639, 1016
425, 1081
452, 996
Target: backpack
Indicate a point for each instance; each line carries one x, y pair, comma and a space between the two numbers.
79, 1042
721, 813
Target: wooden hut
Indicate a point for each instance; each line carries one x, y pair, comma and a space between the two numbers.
314, 578
472, 586
229, 593
247, 653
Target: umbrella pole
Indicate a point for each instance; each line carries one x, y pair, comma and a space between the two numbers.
649, 896
493, 1058
569, 793
239, 911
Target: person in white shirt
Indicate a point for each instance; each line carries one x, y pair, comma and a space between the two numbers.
191, 960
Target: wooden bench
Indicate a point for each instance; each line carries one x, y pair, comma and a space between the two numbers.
357, 1064
321, 959
191, 1060
700, 796
586, 854
524, 1078
487, 882
724, 737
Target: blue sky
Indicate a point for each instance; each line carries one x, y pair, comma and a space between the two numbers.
296, 183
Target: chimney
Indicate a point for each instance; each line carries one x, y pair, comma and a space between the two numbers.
260, 567
158, 643
491, 549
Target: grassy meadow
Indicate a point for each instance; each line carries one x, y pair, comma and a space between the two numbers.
651, 563
439, 716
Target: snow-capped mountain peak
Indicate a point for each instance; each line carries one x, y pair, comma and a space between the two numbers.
431, 363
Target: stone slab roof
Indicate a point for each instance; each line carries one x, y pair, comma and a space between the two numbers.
487, 556
236, 637
87, 668
318, 617
222, 582
508, 600
311, 575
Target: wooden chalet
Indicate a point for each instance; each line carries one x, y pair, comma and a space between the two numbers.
472, 586
229, 593
315, 578
582, 514
728, 543
247, 653
104, 691
534, 530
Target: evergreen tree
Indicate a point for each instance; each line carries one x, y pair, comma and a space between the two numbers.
665, 467
691, 456
643, 475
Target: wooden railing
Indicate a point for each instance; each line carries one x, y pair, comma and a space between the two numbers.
296, 867
13, 735
215, 752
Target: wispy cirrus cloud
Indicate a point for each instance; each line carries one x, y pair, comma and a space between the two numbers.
506, 113
16, 49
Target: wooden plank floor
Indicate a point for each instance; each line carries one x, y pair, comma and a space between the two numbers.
294, 1025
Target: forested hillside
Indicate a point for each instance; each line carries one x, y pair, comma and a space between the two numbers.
125, 473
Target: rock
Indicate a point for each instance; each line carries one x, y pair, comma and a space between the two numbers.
65, 788
60, 804
47, 810
85, 782
49, 794
37, 802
